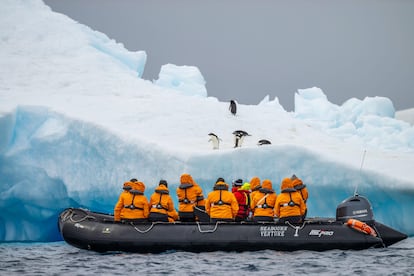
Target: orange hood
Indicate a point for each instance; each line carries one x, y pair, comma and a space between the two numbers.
221, 186
267, 184
254, 183
296, 182
286, 183
162, 189
128, 185
186, 179
139, 186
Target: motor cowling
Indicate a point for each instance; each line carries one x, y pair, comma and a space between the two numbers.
355, 207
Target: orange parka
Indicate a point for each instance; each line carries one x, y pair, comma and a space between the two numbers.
172, 216
254, 186
188, 193
161, 202
200, 200
220, 203
263, 201
301, 188
289, 202
132, 204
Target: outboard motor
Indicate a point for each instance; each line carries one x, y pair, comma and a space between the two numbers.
355, 207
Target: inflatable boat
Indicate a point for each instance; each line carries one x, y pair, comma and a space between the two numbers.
353, 228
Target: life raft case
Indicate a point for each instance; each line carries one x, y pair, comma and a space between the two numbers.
355, 207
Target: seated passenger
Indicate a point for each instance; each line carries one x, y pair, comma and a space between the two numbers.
263, 202
161, 203
132, 205
188, 193
254, 186
289, 204
221, 205
301, 188
243, 199
246, 187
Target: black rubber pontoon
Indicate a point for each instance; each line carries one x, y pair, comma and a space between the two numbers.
96, 231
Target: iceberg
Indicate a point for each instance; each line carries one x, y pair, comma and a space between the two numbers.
77, 120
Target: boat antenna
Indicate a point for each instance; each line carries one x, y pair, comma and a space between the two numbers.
360, 171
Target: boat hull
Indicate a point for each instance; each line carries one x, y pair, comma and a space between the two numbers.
98, 232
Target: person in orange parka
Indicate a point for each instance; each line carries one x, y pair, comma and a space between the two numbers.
263, 202
289, 204
161, 203
132, 205
254, 185
221, 205
301, 188
188, 193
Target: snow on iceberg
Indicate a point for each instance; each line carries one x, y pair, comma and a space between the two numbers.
186, 79
369, 122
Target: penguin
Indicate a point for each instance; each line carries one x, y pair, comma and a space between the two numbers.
215, 140
239, 137
233, 107
263, 142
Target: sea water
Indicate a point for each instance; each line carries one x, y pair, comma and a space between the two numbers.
59, 258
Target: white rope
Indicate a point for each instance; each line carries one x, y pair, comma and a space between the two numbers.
297, 228
143, 231
207, 231
82, 219
66, 214
69, 213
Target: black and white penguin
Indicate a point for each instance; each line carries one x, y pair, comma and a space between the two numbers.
233, 107
263, 142
239, 137
215, 140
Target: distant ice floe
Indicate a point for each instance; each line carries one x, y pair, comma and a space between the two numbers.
186, 79
371, 119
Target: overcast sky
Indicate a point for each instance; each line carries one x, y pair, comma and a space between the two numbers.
247, 49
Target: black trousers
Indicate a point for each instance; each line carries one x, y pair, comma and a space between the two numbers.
200, 214
262, 218
153, 216
186, 216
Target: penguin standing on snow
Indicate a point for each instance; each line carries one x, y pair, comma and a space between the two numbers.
263, 142
233, 107
215, 140
239, 137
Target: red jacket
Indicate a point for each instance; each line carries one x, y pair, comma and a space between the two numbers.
243, 198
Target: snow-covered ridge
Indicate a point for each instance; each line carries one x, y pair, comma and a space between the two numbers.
77, 120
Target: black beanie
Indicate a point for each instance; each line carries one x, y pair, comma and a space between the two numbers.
163, 182
220, 179
238, 182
